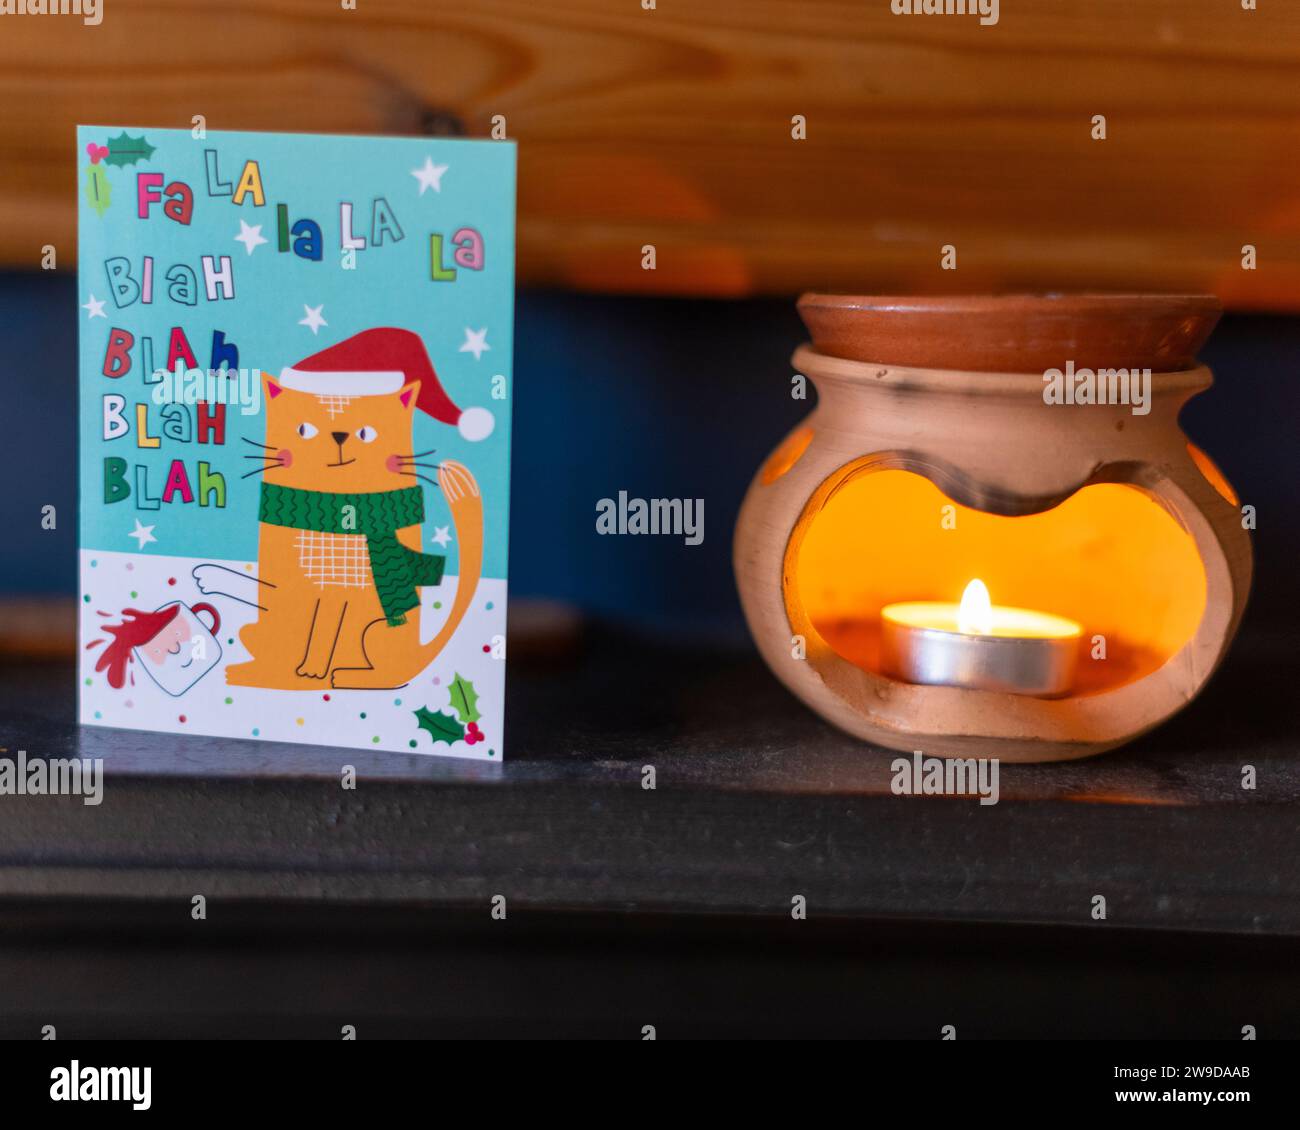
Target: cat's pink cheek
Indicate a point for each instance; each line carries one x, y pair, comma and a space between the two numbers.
393, 463
285, 456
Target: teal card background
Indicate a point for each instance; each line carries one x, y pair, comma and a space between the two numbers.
391, 286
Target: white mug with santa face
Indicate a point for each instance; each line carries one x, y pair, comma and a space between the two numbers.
184, 650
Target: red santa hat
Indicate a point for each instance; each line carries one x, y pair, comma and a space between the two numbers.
382, 360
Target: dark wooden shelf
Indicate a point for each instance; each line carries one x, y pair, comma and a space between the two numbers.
757, 801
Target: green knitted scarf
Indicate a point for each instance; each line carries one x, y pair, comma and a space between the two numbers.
378, 515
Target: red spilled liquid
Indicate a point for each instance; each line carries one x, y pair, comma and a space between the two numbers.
137, 628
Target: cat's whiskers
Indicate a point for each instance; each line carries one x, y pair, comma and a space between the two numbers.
268, 446
404, 466
274, 461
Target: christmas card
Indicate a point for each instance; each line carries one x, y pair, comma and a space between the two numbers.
295, 436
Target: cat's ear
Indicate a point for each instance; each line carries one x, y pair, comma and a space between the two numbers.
271, 386
408, 395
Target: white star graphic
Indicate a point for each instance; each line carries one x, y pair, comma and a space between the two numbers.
429, 175
475, 342
313, 321
250, 235
441, 536
96, 307
142, 534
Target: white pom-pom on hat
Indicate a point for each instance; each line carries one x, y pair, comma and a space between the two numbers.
476, 424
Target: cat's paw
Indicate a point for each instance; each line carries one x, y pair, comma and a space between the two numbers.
206, 577
309, 670
363, 678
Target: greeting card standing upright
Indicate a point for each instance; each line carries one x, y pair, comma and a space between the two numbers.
295, 436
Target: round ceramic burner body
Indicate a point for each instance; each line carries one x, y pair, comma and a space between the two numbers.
1060, 481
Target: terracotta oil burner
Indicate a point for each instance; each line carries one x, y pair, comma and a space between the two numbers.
945, 451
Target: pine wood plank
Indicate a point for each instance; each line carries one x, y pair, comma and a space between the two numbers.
671, 127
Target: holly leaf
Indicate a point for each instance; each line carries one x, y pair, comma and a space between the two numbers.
98, 190
442, 727
464, 699
127, 150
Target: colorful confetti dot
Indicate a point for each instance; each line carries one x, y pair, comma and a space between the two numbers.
134, 594
89, 682
94, 565
487, 647
375, 739
397, 702
489, 606
363, 714
171, 580
298, 720
229, 701
256, 731
99, 715
412, 742
325, 697
437, 604
182, 717
86, 598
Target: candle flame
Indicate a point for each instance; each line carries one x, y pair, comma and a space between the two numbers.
975, 615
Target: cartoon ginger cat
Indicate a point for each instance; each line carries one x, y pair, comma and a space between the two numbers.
339, 548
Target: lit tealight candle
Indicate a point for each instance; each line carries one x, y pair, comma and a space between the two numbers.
979, 645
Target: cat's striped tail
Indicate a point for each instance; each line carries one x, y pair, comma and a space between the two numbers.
461, 492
